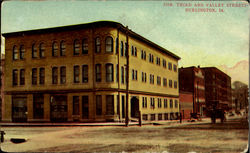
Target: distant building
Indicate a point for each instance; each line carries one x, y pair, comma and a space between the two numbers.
191, 80
86, 73
240, 96
186, 104
218, 88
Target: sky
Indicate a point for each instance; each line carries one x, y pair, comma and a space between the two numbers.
199, 38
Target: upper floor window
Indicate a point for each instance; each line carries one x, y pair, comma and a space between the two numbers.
62, 48
170, 66
15, 53
171, 103
117, 46
109, 73
14, 77
85, 73
170, 83
158, 61
164, 82
164, 63
98, 72
132, 50
54, 49
152, 102
117, 72
175, 68
175, 84
159, 102
54, 75
109, 44
22, 51
158, 80
135, 51
41, 50
176, 104
97, 45
63, 75
122, 49
165, 103
22, 77
42, 76
76, 74
122, 74
76, 47
85, 47
151, 79
34, 51
126, 49
34, 76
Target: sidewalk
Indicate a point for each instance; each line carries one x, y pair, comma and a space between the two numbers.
168, 122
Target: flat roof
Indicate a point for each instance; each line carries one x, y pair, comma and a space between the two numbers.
93, 25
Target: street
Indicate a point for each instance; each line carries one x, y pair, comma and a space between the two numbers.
229, 137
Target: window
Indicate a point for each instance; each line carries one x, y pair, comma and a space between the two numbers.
85, 74
97, 45
117, 72
152, 102
132, 50
165, 103
175, 84
22, 77
144, 102
176, 104
122, 48
14, 77
159, 102
133, 74
145, 117
141, 54
54, 75
41, 76
110, 105
54, 49
171, 103
126, 49
98, 72
152, 117
85, 47
76, 74
109, 44
158, 61
62, 48
41, 50
144, 55
63, 75
175, 68
109, 73
164, 63
151, 79
98, 105
158, 80
159, 117
38, 106
85, 107
166, 116
76, 105
76, 47
122, 75
164, 82
34, 76
117, 46
170, 66
15, 53
34, 51
135, 51
170, 83
142, 76
22, 50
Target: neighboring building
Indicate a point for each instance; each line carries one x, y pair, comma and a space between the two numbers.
186, 104
191, 80
78, 73
218, 88
240, 96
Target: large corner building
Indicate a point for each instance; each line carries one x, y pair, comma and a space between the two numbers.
88, 73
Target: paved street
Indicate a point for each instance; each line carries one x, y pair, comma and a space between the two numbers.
229, 137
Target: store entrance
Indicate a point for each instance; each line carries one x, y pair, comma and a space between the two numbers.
58, 108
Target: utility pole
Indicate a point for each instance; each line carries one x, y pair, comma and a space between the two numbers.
127, 78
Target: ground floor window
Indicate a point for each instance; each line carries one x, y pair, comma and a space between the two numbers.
75, 105
85, 107
98, 105
145, 117
152, 117
38, 106
166, 116
159, 116
19, 109
110, 105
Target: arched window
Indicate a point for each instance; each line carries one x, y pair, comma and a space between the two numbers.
132, 50
117, 46
62, 48
76, 47
41, 50
97, 45
85, 47
109, 72
122, 48
15, 53
34, 51
22, 50
54, 49
109, 44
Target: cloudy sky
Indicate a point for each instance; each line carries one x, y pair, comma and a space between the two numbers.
206, 39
